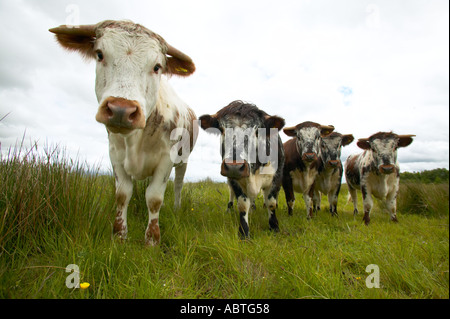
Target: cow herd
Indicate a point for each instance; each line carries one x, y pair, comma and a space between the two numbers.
151, 130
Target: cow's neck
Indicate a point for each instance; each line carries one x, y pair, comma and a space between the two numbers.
155, 137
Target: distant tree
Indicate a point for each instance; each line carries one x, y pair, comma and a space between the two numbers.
434, 176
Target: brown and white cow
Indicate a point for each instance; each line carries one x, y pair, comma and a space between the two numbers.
376, 171
252, 156
330, 171
302, 153
139, 109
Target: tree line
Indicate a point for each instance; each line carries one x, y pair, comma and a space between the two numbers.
435, 176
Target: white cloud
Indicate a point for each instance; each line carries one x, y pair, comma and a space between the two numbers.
288, 57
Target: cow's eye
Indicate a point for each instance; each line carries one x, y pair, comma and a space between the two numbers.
157, 68
99, 55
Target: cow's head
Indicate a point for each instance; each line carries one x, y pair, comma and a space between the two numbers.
383, 147
331, 146
308, 135
130, 62
244, 129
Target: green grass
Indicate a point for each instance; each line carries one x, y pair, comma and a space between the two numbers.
55, 212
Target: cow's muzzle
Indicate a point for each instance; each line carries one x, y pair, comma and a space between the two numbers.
309, 157
120, 115
333, 163
387, 169
235, 170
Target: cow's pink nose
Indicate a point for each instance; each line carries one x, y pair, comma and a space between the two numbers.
233, 169
119, 113
387, 169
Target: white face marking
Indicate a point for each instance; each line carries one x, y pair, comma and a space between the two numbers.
308, 139
384, 151
331, 148
127, 68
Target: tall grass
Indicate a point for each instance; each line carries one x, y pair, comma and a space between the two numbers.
424, 199
55, 212
43, 195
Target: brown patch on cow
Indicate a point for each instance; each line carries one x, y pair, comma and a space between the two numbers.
351, 171
382, 136
153, 234
366, 218
242, 205
119, 229
120, 200
154, 204
153, 122
130, 27
118, 224
292, 156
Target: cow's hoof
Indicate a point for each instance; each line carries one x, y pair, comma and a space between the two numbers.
366, 220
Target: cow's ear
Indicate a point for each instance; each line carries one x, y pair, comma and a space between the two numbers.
326, 130
347, 139
363, 143
209, 122
405, 140
290, 131
176, 66
178, 63
274, 122
80, 39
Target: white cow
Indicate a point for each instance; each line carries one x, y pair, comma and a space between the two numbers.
139, 109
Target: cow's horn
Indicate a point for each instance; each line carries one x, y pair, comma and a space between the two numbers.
327, 127
177, 54
82, 30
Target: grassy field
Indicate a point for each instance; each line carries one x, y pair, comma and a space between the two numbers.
55, 212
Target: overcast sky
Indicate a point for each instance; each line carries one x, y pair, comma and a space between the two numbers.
362, 66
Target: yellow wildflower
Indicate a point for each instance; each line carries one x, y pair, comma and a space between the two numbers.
84, 285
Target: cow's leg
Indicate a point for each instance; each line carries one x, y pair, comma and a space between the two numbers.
317, 197
307, 197
154, 196
289, 193
367, 204
332, 201
391, 203
308, 203
231, 198
124, 190
270, 202
354, 197
243, 204
333, 196
180, 170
